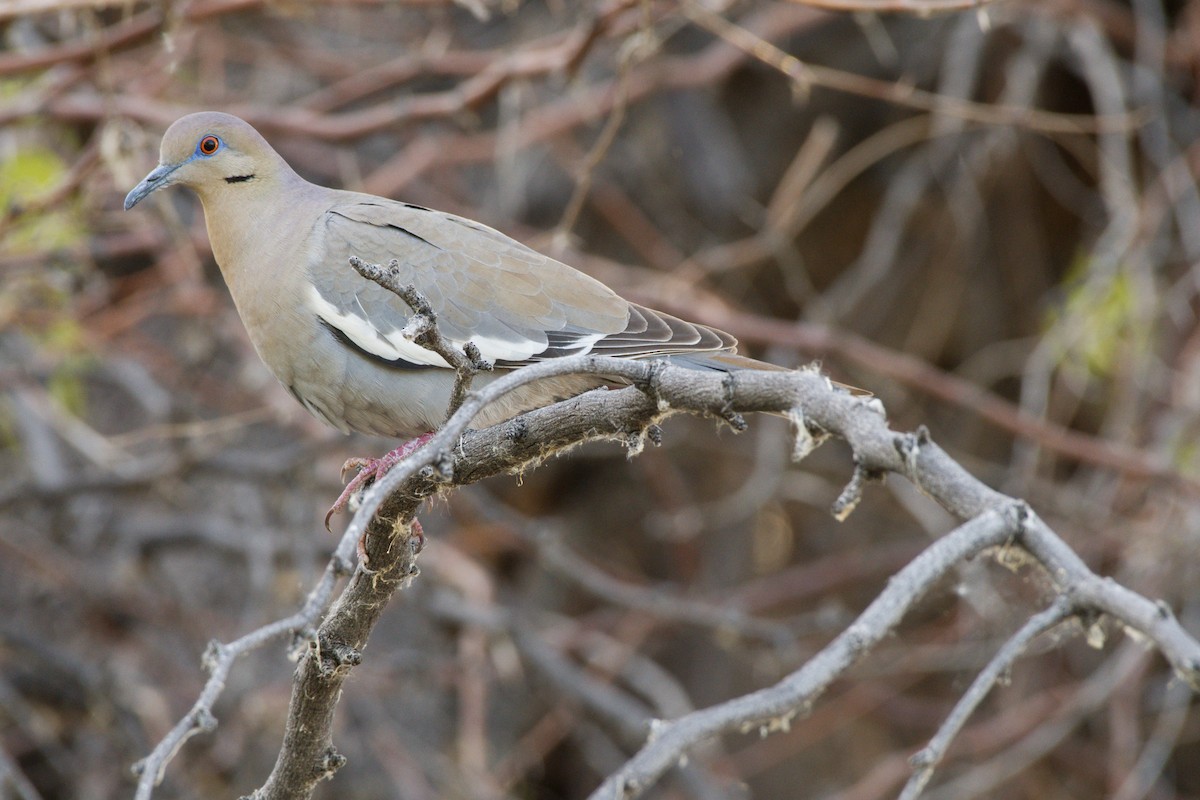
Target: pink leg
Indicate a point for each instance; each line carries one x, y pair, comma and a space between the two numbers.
372, 469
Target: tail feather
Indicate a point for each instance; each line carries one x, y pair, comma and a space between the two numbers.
721, 361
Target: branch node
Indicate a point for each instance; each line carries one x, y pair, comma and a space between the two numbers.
331, 761
443, 467
908, 447
341, 567
872, 403
726, 412
806, 436
922, 759
481, 364
1018, 513
735, 421
856, 641
517, 429
212, 655
203, 721
1163, 609
852, 495
651, 385
655, 434
347, 656
333, 657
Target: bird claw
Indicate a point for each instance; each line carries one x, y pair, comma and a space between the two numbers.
370, 470
356, 464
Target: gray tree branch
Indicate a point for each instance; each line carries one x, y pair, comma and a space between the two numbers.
457, 456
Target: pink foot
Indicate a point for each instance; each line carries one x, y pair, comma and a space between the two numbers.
369, 470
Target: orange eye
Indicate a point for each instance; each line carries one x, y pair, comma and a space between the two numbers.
209, 145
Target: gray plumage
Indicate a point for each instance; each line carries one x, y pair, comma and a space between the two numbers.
333, 338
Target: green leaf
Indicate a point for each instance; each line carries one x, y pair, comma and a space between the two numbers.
26, 176
1103, 320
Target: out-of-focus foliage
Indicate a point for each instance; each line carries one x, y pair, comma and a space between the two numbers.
26, 175
1104, 322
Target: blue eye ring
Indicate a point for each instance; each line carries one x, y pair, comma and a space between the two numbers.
208, 145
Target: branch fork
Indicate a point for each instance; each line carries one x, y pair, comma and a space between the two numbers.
656, 391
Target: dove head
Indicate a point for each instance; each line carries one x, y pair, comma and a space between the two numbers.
212, 154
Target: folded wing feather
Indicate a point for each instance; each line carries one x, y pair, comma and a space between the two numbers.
517, 305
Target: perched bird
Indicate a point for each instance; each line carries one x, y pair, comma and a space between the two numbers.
333, 338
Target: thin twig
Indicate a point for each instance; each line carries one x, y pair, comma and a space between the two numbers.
774, 708
657, 601
665, 390
608, 134
219, 661
926, 761
422, 329
805, 76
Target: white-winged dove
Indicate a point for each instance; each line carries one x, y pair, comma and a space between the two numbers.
333, 338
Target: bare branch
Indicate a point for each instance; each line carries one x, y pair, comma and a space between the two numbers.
219, 661
422, 329
926, 761
727, 618
774, 708
659, 390
922, 7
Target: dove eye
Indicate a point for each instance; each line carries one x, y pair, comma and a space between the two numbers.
208, 145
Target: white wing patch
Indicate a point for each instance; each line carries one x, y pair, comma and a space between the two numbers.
393, 346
